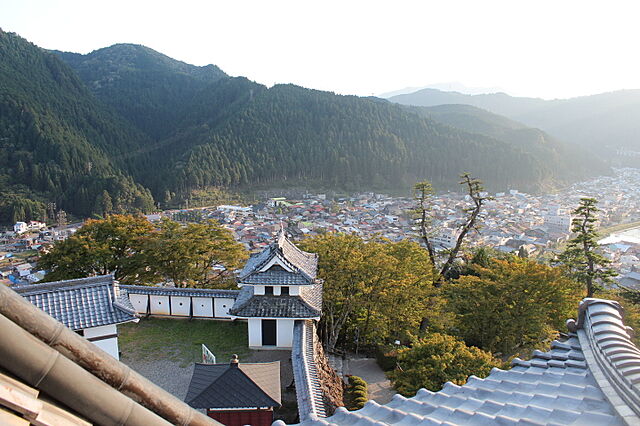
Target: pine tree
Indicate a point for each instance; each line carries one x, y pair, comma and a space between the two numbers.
581, 256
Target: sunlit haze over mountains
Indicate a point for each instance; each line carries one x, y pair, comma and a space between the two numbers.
544, 49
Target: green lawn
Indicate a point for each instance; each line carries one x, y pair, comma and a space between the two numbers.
180, 339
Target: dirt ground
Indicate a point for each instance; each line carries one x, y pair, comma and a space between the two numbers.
379, 386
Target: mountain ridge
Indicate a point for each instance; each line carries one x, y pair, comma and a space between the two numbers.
602, 123
160, 127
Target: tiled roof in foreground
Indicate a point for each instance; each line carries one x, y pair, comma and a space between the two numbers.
592, 378
80, 303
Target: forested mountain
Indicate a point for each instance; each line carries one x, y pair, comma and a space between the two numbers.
498, 103
603, 123
288, 134
562, 159
130, 122
144, 86
57, 142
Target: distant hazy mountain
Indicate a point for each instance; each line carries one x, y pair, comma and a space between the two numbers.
452, 86
105, 131
562, 157
602, 123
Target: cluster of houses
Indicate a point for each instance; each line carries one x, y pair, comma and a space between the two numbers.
511, 221
623, 250
20, 248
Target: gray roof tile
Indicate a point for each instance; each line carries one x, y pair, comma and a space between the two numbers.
308, 304
176, 291
241, 386
308, 391
271, 277
304, 265
80, 303
275, 307
590, 378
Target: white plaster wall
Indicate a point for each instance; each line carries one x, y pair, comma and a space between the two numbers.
140, 302
255, 332
104, 330
276, 290
110, 345
284, 333
203, 307
259, 290
222, 306
294, 290
180, 305
159, 305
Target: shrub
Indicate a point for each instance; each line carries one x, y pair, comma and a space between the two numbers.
436, 359
357, 393
355, 380
387, 356
360, 388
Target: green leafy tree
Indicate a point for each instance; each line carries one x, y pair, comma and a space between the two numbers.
510, 304
373, 290
130, 248
436, 359
106, 246
195, 255
581, 256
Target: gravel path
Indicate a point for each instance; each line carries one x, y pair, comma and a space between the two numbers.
167, 374
380, 389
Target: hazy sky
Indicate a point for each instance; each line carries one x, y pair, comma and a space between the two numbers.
538, 48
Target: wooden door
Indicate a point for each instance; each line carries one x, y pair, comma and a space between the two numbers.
268, 332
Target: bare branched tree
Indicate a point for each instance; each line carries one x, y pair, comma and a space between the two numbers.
423, 194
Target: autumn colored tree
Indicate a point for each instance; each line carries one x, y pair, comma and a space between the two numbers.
373, 290
130, 248
581, 256
510, 304
435, 359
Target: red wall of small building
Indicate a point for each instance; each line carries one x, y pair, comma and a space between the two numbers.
242, 417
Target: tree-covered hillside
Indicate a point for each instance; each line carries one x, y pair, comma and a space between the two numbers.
130, 122
563, 160
291, 135
144, 86
57, 142
603, 123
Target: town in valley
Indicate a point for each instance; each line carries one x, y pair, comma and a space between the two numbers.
512, 222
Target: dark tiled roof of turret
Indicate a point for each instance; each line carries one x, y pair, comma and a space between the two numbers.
80, 303
592, 378
275, 307
306, 262
304, 265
